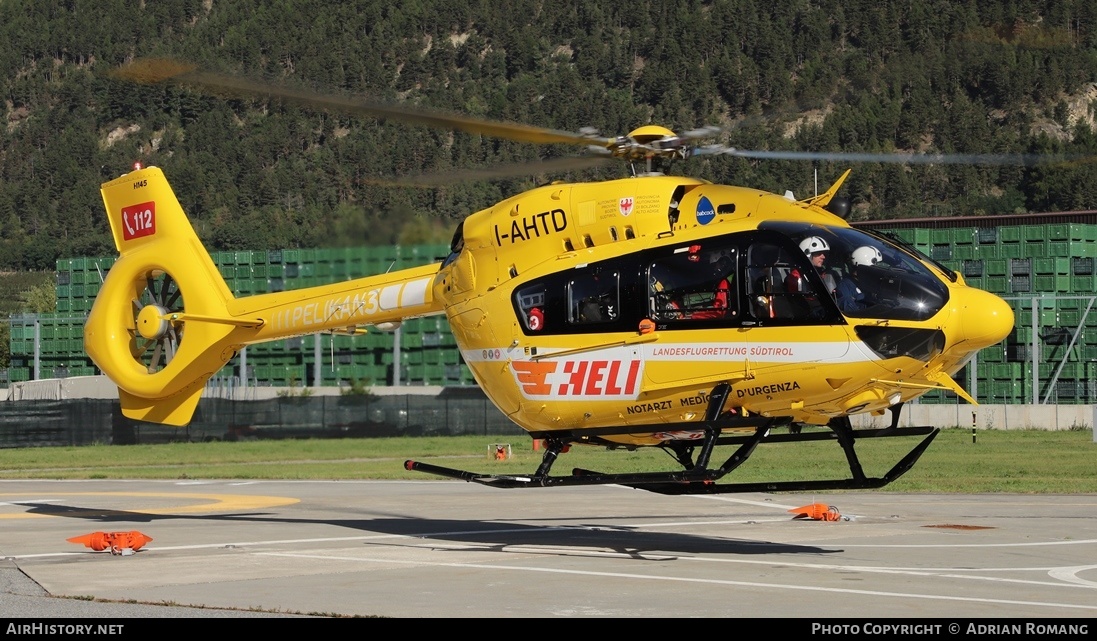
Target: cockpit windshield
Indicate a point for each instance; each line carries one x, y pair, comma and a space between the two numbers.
873, 277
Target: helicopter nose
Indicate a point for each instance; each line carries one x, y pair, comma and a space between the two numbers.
985, 319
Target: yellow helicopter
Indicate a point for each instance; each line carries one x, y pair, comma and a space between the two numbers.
648, 311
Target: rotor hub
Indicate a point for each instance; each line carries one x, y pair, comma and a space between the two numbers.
650, 133
152, 322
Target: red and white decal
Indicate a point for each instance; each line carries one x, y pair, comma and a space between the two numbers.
624, 205
603, 380
138, 220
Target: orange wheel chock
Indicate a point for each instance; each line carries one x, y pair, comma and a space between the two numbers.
116, 542
817, 512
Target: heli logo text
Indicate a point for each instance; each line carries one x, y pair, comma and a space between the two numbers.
596, 380
138, 220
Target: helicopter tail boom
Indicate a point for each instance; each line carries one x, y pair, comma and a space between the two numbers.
165, 321
130, 334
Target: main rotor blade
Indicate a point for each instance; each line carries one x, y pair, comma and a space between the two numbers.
161, 70
1026, 160
495, 173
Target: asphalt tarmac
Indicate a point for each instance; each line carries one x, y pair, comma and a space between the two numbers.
450, 549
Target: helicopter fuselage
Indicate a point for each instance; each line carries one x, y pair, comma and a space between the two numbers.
589, 306
559, 303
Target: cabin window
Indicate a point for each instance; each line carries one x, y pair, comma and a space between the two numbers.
594, 298
694, 284
531, 307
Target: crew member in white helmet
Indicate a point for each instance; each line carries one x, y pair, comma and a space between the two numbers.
851, 298
816, 249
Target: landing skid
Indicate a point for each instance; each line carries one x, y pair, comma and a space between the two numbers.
697, 476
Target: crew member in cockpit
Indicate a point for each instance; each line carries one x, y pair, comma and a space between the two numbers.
816, 249
850, 296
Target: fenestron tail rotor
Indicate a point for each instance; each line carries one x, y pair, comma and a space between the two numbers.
156, 335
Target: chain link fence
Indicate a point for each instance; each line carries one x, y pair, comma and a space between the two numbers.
88, 421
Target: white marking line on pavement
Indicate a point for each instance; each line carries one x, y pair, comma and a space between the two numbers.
648, 577
1063, 574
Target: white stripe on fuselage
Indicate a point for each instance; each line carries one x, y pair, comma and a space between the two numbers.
771, 352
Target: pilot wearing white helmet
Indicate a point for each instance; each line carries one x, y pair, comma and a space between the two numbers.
850, 296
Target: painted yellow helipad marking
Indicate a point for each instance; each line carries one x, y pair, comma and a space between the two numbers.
210, 503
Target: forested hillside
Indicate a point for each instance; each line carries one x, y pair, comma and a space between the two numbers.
975, 76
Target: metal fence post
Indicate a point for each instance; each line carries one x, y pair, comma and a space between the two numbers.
37, 348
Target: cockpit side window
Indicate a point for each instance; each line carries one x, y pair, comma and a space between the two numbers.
782, 287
